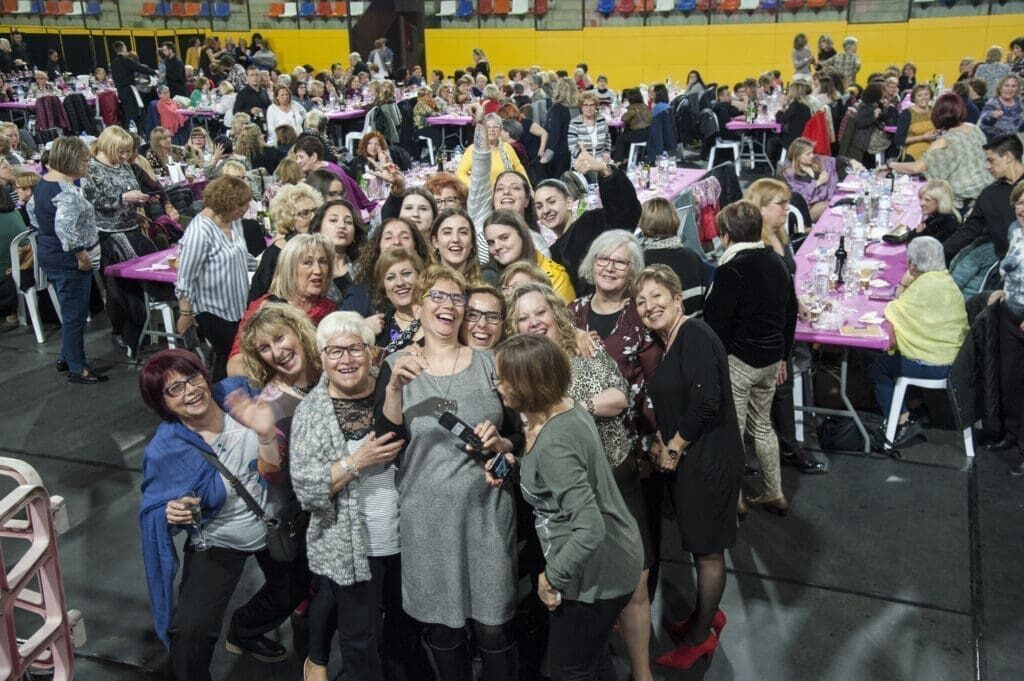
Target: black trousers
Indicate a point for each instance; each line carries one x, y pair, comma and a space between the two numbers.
221, 334
1011, 373
783, 416
376, 638
578, 639
208, 579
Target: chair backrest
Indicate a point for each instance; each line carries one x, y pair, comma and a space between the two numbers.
749, 5
16, 257
221, 10
93, 8
275, 9
605, 6
307, 9
148, 9
323, 9
339, 9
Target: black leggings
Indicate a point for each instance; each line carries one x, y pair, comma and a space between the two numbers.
578, 642
487, 636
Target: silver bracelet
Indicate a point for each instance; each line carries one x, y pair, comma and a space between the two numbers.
349, 468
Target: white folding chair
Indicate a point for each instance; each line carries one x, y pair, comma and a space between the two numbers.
634, 150
902, 383
30, 298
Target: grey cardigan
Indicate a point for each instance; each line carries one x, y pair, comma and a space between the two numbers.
336, 541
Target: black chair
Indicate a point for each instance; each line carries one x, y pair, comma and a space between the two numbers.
47, 135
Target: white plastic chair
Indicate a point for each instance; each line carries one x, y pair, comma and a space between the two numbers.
749, 5
30, 298
733, 145
902, 383
795, 212
166, 311
782, 159
634, 150
352, 141
519, 7
77, 9
447, 8
356, 8
665, 6
291, 9
430, 147
24, 7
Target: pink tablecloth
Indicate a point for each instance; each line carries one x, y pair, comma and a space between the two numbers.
345, 115
201, 113
450, 119
681, 179
31, 106
142, 268
895, 260
740, 124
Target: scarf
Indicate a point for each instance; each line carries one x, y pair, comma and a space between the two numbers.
736, 249
664, 244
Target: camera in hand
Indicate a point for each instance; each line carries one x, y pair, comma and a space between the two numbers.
498, 466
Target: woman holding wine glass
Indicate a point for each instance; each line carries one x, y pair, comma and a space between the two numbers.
198, 428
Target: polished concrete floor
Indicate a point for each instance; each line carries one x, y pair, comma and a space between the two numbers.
884, 570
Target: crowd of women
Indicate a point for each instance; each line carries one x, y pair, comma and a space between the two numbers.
385, 411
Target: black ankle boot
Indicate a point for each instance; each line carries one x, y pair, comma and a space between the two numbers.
502, 665
450, 664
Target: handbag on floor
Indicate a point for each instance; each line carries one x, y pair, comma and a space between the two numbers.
285, 532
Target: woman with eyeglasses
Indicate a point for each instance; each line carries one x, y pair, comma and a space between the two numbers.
394, 276
509, 241
453, 245
484, 321
592, 555
182, 489
458, 533
303, 280
589, 130
613, 260
291, 212
344, 475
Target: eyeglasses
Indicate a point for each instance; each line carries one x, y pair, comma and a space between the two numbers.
355, 351
438, 296
495, 379
450, 201
177, 389
307, 213
474, 315
616, 263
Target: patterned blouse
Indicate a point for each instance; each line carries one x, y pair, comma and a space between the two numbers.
103, 187
594, 375
633, 349
1012, 269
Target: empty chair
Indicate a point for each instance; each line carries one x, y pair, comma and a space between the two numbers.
625, 7
307, 9
339, 9
323, 9
605, 6
291, 9
703, 5
485, 7
93, 8
163, 9
446, 8
192, 9
664, 5
519, 7
178, 9
24, 7
540, 7
30, 299
51, 8
149, 9
729, 6
464, 8
686, 5
357, 7
67, 7
816, 4
769, 5
221, 10
77, 9
840, 4
793, 4
749, 5
634, 151
275, 10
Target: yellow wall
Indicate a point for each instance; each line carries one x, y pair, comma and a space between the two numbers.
724, 53
320, 47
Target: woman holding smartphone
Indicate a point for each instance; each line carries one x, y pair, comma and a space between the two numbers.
593, 555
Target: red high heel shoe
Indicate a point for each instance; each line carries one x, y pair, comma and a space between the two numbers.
684, 657
677, 630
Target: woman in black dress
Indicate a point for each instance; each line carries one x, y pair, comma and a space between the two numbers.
698, 438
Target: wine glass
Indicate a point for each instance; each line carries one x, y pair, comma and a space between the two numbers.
199, 543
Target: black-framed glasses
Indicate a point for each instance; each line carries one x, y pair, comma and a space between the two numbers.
355, 351
177, 389
449, 201
438, 296
307, 213
616, 263
474, 315
495, 378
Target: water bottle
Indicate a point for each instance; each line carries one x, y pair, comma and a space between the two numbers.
132, 127
821, 274
858, 242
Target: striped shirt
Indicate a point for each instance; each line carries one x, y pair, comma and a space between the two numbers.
596, 139
213, 272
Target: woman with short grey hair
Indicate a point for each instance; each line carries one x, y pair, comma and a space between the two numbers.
604, 247
929, 322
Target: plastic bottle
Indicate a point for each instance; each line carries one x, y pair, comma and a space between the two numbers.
821, 274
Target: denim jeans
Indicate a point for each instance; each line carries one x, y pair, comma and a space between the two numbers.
73, 288
885, 369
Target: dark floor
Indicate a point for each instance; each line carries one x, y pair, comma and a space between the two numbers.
884, 570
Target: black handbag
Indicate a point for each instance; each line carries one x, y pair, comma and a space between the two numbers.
285, 532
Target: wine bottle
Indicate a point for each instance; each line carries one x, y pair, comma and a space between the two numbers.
840, 260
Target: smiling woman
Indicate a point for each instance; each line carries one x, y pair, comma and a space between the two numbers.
340, 222
454, 245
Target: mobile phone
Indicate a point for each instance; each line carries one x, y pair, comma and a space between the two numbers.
191, 338
461, 430
500, 467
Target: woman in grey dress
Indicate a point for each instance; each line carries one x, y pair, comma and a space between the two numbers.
458, 533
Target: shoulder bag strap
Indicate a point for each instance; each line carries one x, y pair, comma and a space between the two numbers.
237, 484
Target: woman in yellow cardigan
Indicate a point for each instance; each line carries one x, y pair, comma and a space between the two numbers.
929, 319
509, 241
504, 158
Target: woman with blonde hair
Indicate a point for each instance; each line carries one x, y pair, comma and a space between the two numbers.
287, 172
558, 156
291, 212
250, 144
813, 176
113, 189
939, 216
162, 152
519, 274
226, 104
